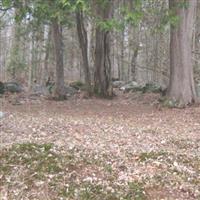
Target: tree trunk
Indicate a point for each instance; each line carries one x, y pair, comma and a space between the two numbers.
122, 68
83, 41
45, 74
134, 63
102, 64
31, 64
59, 92
181, 87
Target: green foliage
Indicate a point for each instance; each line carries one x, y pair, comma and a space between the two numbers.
44, 163
37, 158
136, 191
108, 25
173, 19
82, 5
151, 87
183, 4
171, 103
6, 3
133, 15
78, 85
42, 11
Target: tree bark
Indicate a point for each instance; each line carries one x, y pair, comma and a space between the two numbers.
102, 63
83, 41
31, 64
45, 74
59, 92
181, 87
134, 63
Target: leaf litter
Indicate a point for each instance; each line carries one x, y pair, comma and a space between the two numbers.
125, 149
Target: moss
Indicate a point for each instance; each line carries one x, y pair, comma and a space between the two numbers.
37, 158
151, 155
88, 191
78, 85
108, 168
136, 191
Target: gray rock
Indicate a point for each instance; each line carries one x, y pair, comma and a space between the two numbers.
48, 90
132, 86
70, 91
1, 114
118, 84
2, 88
78, 85
152, 87
40, 90
13, 87
197, 87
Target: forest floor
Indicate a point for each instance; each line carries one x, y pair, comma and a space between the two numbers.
92, 149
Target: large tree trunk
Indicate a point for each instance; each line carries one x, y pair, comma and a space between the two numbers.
102, 63
59, 92
83, 41
181, 88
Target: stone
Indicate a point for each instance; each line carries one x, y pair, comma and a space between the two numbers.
118, 84
78, 85
13, 87
152, 87
70, 91
1, 114
40, 90
2, 88
131, 86
197, 87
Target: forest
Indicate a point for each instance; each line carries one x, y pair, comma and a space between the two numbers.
99, 99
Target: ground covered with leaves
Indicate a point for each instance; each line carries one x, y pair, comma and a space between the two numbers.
91, 149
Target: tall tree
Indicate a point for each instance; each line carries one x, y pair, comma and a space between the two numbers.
102, 64
181, 87
83, 41
59, 92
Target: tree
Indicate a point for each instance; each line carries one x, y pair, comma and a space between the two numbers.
102, 64
83, 41
181, 87
43, 12
59, 92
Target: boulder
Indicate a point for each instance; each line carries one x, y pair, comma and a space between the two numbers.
1, 114
78, 85
118, 84
40, 90
70, 91
13, 87
197, 87
115, 79
152, 87
2, 88
131, 86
